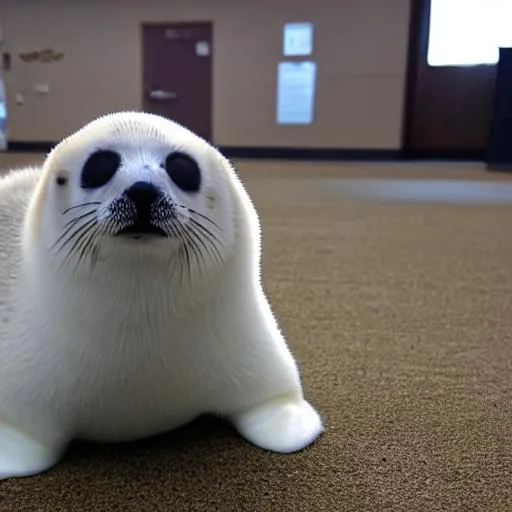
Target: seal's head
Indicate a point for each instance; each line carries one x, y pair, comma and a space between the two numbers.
131, 184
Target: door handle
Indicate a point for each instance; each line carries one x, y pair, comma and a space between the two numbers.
160, 95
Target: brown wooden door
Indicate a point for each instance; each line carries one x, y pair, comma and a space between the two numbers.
448, 109
177, 73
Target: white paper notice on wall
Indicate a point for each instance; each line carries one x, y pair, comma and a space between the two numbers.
202, 49
296, 84
298, 39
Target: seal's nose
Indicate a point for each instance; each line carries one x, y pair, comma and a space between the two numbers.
142, 194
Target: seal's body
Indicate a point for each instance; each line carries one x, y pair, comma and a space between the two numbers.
130, 299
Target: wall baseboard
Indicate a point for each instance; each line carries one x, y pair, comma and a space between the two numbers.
446, 154
271, 153
21, 146
312, 154
499, 167
315, 154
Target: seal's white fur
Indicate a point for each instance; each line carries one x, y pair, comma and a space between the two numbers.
128, 346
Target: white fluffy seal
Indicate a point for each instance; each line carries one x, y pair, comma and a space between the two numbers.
130, 299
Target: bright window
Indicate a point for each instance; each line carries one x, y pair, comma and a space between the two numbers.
468, 32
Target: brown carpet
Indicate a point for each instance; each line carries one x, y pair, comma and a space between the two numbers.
398, 307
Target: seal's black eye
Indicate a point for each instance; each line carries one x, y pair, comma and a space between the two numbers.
99, 168
183, 171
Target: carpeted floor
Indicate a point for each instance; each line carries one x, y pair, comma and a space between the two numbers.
396, 297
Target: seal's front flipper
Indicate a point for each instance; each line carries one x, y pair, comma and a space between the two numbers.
283, 425
21, 455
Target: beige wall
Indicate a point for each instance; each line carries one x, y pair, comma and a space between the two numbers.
360, 48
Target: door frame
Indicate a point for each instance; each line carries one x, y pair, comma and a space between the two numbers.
182, 24
482, 76
417, 45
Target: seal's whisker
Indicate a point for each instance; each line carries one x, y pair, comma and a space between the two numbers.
82, 238
205, 230
210, 245
185, 249
198, 243
74, 220
198, 246
180, 259
211, 248
78, 231
87, 248
80, 206
195, 212
84, 233
95, 254
109, 227
172, 230
209, 236
71, 224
